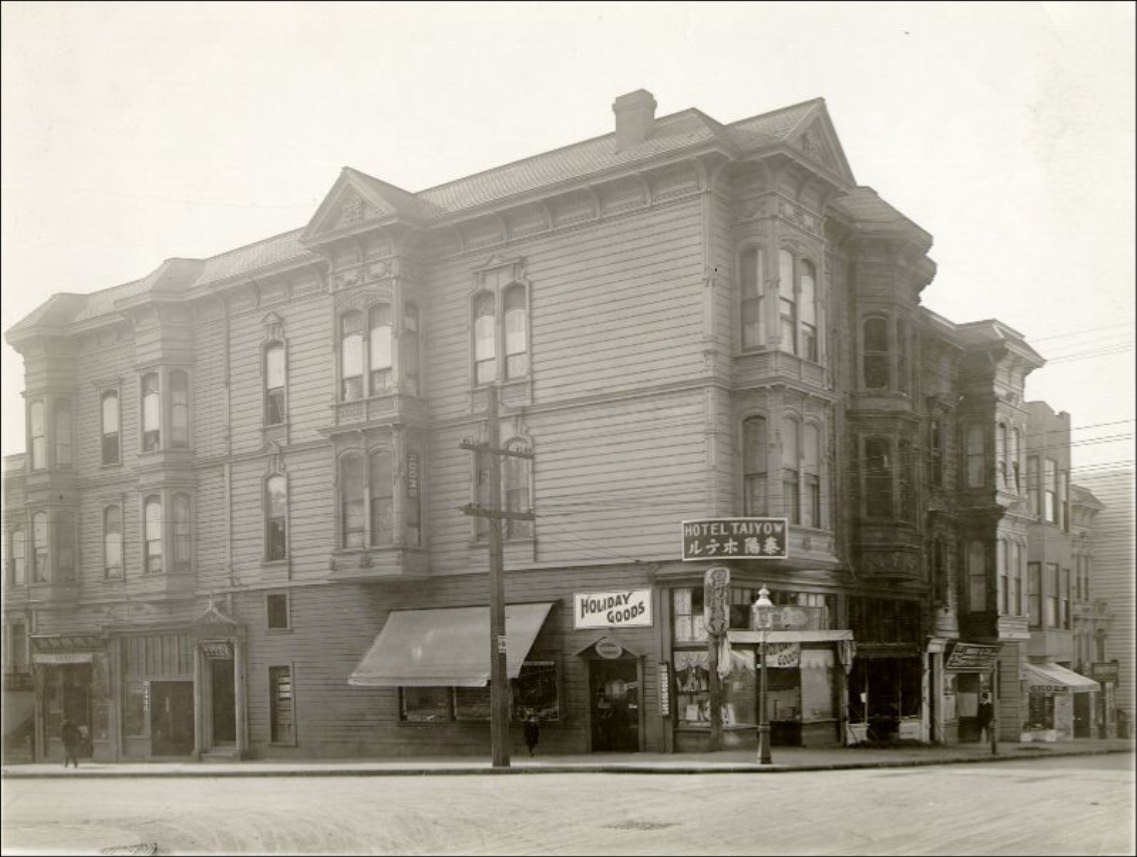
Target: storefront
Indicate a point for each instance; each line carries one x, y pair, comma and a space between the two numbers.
968, 670
1051, 690
71, 675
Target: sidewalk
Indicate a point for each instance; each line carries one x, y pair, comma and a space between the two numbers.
784, 759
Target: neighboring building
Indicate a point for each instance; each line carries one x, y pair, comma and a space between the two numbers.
1112, 583
238, 518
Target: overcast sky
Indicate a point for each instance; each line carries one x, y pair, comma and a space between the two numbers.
134, 132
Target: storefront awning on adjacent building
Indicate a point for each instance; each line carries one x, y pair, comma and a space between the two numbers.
446, 648
1051, 678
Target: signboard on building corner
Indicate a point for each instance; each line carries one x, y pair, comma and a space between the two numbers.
628, 608
735, 538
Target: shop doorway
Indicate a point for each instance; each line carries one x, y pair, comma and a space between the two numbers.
67, 696
171, 718
222, 703
614, 692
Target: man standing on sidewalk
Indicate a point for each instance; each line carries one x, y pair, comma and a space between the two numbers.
71, 738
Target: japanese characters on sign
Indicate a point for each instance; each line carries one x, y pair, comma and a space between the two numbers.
735, 538
629, 608
716, 599
664, 689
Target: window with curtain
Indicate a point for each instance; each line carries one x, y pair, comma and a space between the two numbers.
183, 535
410, 355
38, 428
351, 356
152, 534
110, 427
902, 369
1034, 593
976, 457
875, 353
752, 266
179, 409
791, 459
936, 452
63, 433
1051, 495
19, 557
977, 576
112, 541
787, 302
516, 333
515, 473
485, 338
382, 492
40, 558
151, 412
276, 518
353, 503
65, 544
274, 376
754, 451
381, 349
808, 311
878, 477
811, 475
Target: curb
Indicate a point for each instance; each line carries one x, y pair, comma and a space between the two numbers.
211, 771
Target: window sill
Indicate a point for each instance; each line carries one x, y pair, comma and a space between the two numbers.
275, 563
275, 631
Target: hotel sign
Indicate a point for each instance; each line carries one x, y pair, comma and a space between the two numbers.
735, 538
628, 608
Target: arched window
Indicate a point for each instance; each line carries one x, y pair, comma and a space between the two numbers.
754, 451
179, 409
811, 475
410, 360
878, 477
151, 412
875, 353
110, 445
65, 544
977, 576
276, 518
38, 435
274, 375
787, 302
19, 558
112, 541
353, 503
752, 267
976, 455
791, 457
808, 310
380, 347
183, 534
351, 356
515, 475
485, 338
40, 570
63, 433
152, 534
516, 333
382, 491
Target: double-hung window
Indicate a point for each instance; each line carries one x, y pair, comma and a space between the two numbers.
791, 460
876, 358
63, 430
752, 266
367, 502
152, 534
37, 418
515, 476
787, 302
754, 454
151, 412
351, 356
18, 548
507, 334
380, 347
878, 477
110, 427
274, 381
276, 517
112, 541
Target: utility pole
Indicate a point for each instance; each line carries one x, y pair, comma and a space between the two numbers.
494, 515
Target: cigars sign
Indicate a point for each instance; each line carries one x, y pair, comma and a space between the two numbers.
627, 608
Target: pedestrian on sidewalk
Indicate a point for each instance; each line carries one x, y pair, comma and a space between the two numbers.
532, 731
71, 736
984, 715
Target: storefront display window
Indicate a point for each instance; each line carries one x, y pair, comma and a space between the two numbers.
535, 690
692, 688
134, 712
425, 704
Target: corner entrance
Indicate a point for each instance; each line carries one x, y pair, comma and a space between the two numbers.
614, 691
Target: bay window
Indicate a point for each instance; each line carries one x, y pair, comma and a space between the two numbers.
110, 427
63, 429
516, 333
811, 467
977, 576
152, 534
367, 499
754, 451
112, 541
179, 409
878, 477
787, 302
41, 571
18, 552
808, 310
752, 266
380, 348
183, 534
151, 412
351, 356
38, 433
410, 356
791, 454
382, 492
876, 358
515, 473
976, 457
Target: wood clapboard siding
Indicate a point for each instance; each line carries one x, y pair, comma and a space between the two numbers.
311, 512
210, 428
310, 370
211, 533
332, 627
100, 368
589, 288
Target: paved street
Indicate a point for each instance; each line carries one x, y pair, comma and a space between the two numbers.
1070, 805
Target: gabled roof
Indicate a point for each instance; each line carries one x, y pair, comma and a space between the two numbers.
805, 127
358, 200
59, 309
992, 332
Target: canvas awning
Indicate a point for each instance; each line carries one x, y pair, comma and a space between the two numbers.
446, 648
1051, 678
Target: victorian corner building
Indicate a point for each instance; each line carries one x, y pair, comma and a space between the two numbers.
237, 529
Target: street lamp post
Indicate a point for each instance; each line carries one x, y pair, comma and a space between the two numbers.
763, 611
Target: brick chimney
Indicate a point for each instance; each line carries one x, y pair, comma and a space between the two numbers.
635, 114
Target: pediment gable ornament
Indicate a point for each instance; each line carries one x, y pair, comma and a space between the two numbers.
214, 617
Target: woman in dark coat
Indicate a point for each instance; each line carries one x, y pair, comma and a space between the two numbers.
71, 737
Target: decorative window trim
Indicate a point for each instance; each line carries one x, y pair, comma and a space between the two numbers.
266, 509
760, 476
365, 465
104, 393
109, 573
496, 278
751, 262
267, 393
